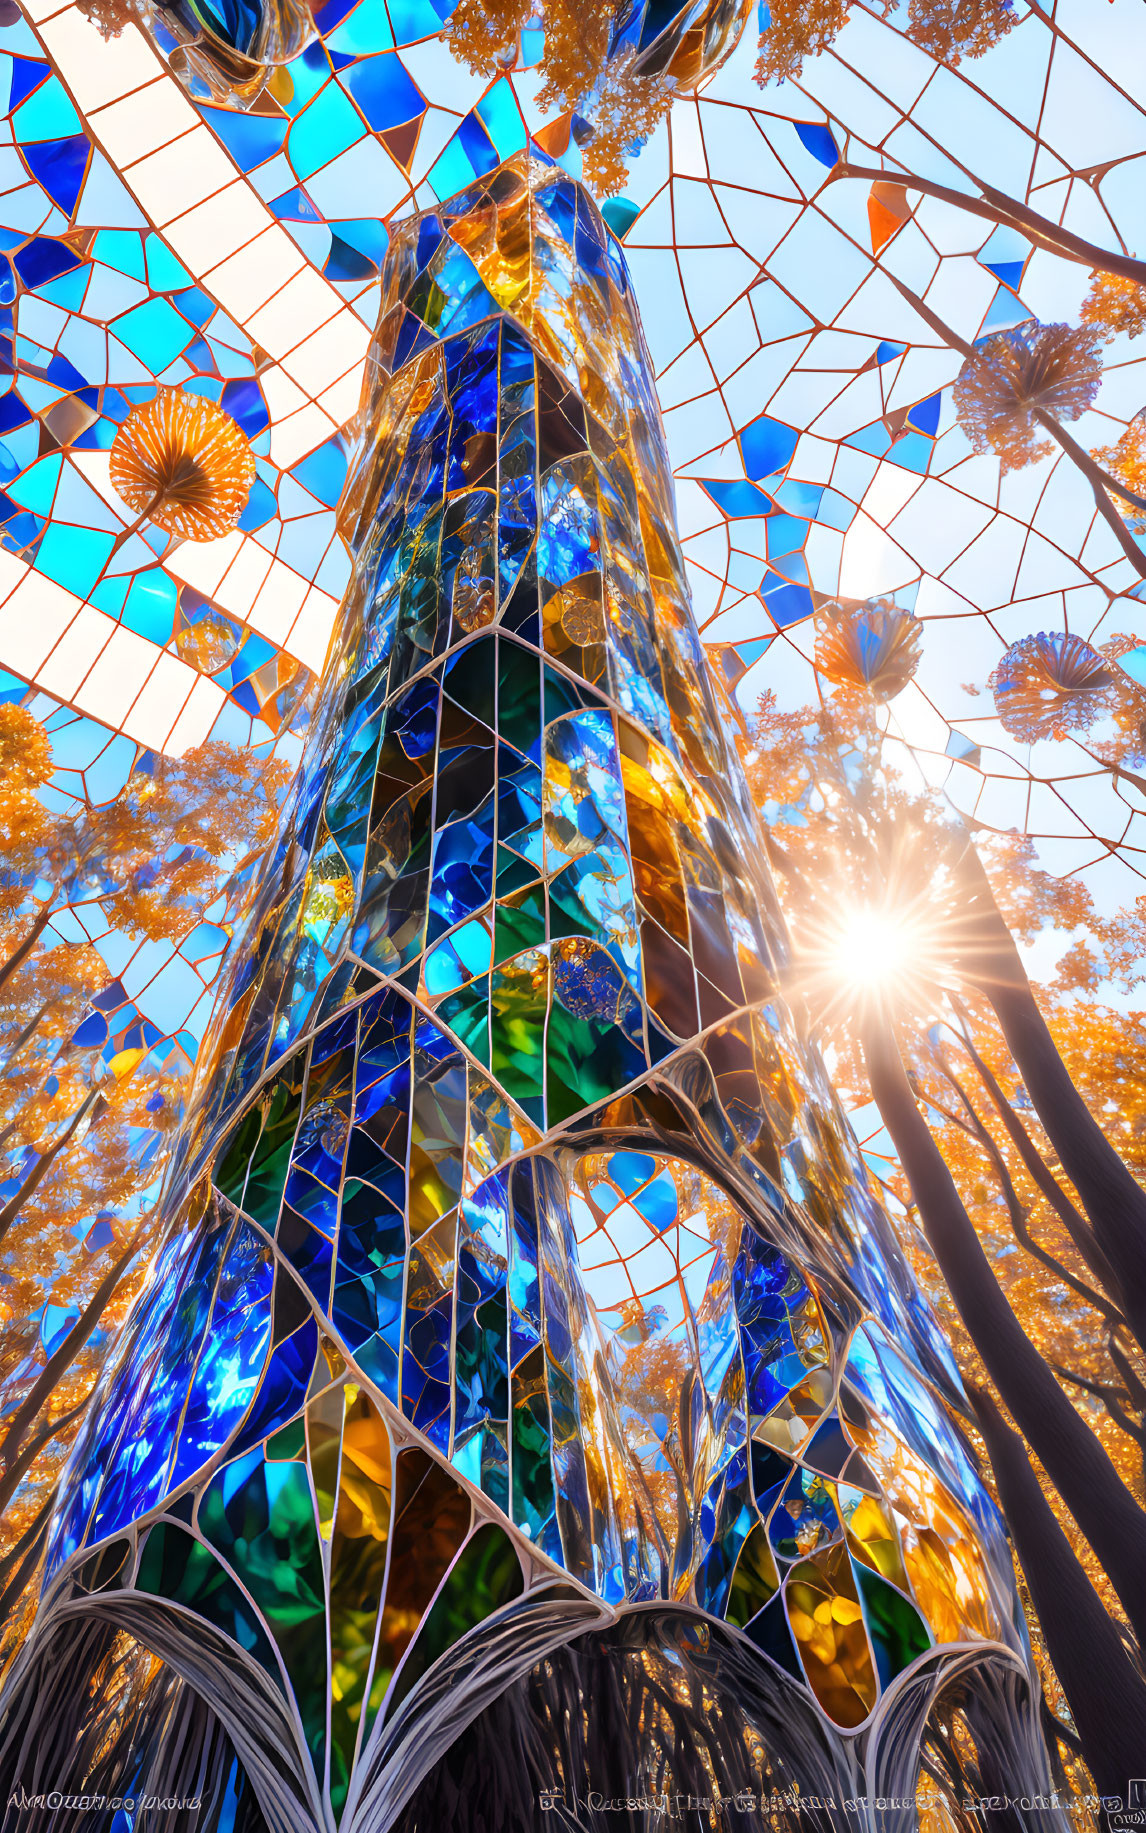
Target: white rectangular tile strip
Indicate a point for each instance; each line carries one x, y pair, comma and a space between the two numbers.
81, 655
240, 576
186, 184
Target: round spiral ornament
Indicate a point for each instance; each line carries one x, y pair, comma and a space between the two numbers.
181, 462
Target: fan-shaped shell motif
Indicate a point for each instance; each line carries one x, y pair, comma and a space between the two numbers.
183, 463
875, 647
1052, 683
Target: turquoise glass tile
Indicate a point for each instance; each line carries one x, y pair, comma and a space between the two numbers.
110, 594
366, 29
73, 557
150, 607
165, 272
451, 172
47, 115
121, 249
37, 487
155, 332
325, 128
502, 117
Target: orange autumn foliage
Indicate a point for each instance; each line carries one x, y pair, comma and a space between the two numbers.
1114, 304
622, 107
947, 30
1126, 460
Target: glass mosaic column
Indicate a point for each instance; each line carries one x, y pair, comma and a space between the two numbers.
526, 1312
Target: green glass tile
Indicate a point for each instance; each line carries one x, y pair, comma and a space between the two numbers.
519, 923
486, 1576
513, 872
518, 697
755, 1580
533, 1499
898, 1633
469, 679
585, 1063
467, 1015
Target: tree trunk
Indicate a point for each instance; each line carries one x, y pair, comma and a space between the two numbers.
57, 1365
20, 954
31, 1544
34, 1531
1106, 1692
1109, 1311
1075, 1223
14, 1475
1080, 1469
1101, 483
1112, 1197
44, 1164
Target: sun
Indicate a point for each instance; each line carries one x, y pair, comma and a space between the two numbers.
865, 956
875, 948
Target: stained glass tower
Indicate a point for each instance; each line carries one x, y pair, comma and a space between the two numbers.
528, 1357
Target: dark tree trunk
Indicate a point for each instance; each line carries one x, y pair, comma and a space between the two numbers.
54, 1368
20, 954
1076, 1224
1078, 1466
1114, 1201
1106, 1692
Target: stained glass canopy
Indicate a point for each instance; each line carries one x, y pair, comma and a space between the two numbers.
163, 224
516, 1266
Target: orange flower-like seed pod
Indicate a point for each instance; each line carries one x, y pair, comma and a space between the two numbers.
182, 463
874, 647
1050, 684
